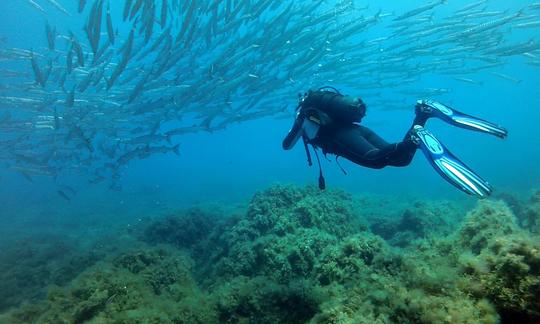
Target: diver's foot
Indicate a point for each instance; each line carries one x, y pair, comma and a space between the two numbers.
423, 112
428, 108
413, 134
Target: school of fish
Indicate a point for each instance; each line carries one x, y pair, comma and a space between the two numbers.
128, 84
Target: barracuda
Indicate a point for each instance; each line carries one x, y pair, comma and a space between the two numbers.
59, 7
128, 65
420, 10
489, 25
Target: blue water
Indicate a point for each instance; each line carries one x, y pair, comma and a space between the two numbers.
230, 165
223, 169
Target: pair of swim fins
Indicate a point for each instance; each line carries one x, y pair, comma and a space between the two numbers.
445, 163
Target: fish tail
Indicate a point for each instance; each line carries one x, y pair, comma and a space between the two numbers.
176, 149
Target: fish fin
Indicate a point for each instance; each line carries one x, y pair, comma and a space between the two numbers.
176, 149
109, 85
27, 176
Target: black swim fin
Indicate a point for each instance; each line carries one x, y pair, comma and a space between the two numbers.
459, 119
449, 166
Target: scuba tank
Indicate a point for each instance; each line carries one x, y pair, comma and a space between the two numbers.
323, 107
338, 108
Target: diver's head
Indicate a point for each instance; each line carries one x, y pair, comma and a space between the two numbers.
358, 106
361, 106
340, 108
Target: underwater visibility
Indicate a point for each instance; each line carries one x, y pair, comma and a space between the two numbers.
265, 161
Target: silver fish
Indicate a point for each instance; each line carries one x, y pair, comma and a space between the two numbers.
507, 77
59, 7
51, 36
470, 81
36, 6
419, 10
110, 29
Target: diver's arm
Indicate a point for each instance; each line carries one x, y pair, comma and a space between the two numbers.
295, 133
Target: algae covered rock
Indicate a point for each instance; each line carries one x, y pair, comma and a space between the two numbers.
527, 211
531, 219
418, 220
262, 300
30, 265
282, 209
291, 256
301, 255
501, 261
487, 221
158, 289
183, 230
387, 299
284, 233
353, 257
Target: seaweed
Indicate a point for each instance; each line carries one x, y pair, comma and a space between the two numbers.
299, 255
29, 265
183, 230
124, 289
420, 220
262, 300
502, 261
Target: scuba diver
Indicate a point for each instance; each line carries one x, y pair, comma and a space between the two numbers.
329, 120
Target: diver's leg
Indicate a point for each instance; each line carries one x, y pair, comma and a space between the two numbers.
396, 154
372, 137
350, 142
431, 108
449, 166
403, 154
406, 149
408, 145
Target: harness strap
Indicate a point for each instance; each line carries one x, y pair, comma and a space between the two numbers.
304, 138
339, 165
322, 182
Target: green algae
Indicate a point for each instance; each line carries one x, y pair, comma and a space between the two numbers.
501, 261
419, 220
152, 285
299, 255
27, 266
182, 230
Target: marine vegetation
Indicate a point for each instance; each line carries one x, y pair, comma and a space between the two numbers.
29, 265
301, 255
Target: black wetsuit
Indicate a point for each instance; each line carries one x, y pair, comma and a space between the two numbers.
362, 146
